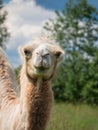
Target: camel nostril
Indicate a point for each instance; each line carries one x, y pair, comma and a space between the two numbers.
45, 55
37, 53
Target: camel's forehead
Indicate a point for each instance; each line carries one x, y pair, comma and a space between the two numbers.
41, 45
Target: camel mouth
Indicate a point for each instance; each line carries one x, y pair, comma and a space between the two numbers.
42, 69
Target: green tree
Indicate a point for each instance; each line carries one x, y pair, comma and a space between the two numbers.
17, 71
76, 30
4, 35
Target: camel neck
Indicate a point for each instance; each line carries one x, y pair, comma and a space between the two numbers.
36, 101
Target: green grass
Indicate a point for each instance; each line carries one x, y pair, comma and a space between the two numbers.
73, 117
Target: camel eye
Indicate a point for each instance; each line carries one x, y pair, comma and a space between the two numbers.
57, 54
27, 52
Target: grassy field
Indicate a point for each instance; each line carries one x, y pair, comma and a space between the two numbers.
73, 117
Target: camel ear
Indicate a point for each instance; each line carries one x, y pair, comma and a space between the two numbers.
20, 50
59, 54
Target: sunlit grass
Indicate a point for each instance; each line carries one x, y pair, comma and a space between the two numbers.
73, 117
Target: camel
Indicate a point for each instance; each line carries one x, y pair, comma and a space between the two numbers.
29, 109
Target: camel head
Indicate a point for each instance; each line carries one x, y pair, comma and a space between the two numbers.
41, 58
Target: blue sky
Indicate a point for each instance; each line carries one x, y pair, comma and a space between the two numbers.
57, 4
49, 4
25, 21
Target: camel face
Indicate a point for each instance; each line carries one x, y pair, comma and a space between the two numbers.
41, 62
41, 58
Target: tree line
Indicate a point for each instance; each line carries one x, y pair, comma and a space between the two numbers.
75, 28
4, 34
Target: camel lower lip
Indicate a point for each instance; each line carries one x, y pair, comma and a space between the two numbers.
42, 69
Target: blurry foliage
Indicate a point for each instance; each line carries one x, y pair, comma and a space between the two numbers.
17, 71
4, 35
75, 28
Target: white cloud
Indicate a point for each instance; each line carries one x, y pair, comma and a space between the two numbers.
24, 21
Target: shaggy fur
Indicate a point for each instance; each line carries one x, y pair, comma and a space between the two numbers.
29, 110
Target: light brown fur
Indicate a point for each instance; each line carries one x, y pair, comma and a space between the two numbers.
29, 110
